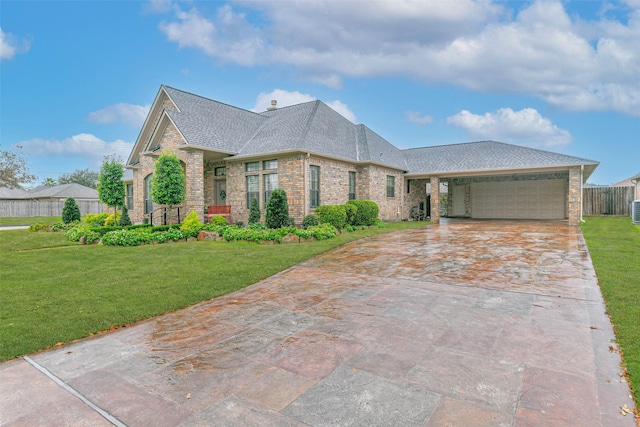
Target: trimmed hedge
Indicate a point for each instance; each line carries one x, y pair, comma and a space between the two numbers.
335, 215
366, 213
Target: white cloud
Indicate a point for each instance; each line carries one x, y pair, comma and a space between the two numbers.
286, 98
536, 49
526, 127
133, 115
10, 45
418, 118
83, 145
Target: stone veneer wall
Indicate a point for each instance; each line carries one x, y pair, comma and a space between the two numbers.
293, 177
417, 194
574, 201
171, 140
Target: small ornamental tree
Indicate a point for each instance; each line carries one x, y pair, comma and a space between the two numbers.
277, 215
254, 211
111, 192
70, 211
124, 218
168, 185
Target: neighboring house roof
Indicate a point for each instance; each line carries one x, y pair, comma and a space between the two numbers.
489, 156
12, 193
62, 191
314, 127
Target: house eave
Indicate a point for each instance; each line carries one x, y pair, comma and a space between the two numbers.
502, 171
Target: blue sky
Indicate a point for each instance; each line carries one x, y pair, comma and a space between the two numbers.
77, 77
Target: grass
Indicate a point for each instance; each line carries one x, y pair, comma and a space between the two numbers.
28, 220
54, 291
614, 246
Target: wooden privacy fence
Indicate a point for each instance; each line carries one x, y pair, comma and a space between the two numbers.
25, 208
597, 201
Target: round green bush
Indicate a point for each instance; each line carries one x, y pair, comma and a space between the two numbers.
366, 213
310, 221
335, 215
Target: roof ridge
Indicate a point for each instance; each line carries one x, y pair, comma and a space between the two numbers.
309, 121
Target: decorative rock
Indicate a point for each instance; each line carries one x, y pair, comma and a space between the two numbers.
268, 242
83, 240
208, 235
310, 239
290, 238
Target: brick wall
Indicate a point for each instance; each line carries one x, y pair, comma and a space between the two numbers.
574, 201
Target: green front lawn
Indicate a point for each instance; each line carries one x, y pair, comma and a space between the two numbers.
55, 291
614, 246
28, 220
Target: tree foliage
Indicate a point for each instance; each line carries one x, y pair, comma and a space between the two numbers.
70, 211
49, 182
254, 211
85, 177
277, 215
168, 185
14, 170
111, 190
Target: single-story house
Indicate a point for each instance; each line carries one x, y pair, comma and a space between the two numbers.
55, 193
634, 182
231, 155
47, 201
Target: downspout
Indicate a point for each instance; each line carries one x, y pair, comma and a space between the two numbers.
305, 203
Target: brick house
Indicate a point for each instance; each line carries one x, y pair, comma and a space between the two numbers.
231, 155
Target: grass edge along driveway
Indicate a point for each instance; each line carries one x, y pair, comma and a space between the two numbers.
614, 247
54, 291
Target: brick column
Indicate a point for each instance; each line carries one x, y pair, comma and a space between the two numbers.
435, 200
574, 208
195, 183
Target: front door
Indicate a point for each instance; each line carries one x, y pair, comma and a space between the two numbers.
220, 192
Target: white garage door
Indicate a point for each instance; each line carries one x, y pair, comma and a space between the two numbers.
539, 199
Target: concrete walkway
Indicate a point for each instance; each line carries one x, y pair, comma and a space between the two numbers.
463, 324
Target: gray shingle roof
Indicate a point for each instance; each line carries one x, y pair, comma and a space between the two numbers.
484, 155
12, 193
212, 124
315, 127
62, 191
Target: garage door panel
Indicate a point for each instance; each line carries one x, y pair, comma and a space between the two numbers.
534, 199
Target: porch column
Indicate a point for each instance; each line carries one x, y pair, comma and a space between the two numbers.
574, 208
435, 200
195, 183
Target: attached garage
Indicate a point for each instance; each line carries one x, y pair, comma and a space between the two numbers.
531, 199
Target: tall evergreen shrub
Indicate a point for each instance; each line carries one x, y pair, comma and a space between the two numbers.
70, 211
124, 218
254, 211
277, 215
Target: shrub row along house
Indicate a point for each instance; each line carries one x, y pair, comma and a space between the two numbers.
231, 155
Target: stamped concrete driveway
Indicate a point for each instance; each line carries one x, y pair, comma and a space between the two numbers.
463, 324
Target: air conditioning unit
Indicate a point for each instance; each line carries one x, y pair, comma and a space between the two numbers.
635, 212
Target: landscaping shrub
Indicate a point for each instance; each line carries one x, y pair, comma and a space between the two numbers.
277, 215
310, 221
124, 218
192, 224
335, 215
350, 209
111, 221
95, 220
70, 211
218, 220
122, 238
40, 227
254, 211
366, 213
74, 234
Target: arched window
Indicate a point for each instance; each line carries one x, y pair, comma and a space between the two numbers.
148, 203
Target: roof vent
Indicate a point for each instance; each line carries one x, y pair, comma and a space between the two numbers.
273, 105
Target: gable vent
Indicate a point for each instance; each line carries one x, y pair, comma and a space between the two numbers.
635, 212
